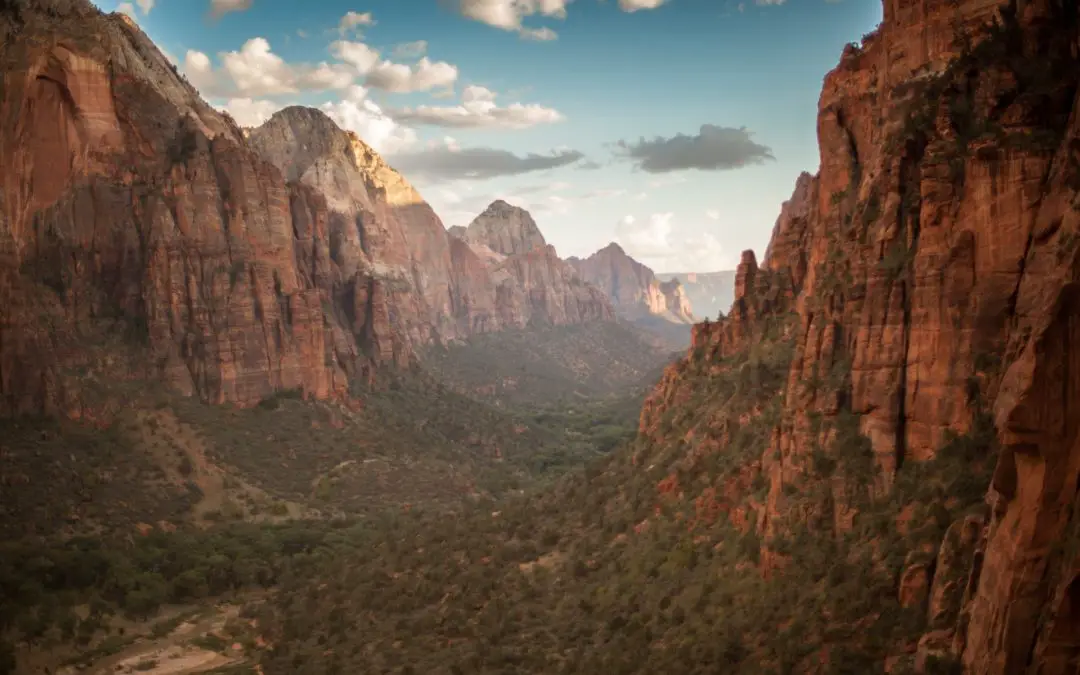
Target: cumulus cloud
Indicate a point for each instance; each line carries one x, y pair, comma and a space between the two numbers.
356, 54
219, 8
353, 21
509, 14
357, 113
250, 112
479, 110
714, 148
712, 214
129, 9
445, 163
255, 71
658, 242
400, 78
407, 50
380, 73
635, 5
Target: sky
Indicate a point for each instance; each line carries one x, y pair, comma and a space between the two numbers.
675, 128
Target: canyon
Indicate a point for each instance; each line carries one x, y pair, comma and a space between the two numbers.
870, 464
242, 262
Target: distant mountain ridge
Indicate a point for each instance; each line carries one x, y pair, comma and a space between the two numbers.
634, 289
710, 293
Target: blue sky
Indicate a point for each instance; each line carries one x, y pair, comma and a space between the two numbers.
674, 127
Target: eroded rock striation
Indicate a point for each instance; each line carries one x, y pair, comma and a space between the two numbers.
633, 287
240, 262
927, 281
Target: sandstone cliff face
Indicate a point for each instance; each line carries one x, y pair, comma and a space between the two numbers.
144, 235
633, 287
931, 268
380, 249
126, 200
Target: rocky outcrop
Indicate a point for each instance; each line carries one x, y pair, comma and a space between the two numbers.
710, 293
932, 267
528, 284
632, 287
505, 230
144, 235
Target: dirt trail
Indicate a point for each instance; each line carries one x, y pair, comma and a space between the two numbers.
172, 654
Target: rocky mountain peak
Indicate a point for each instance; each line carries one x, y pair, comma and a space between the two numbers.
505, 229
633, 287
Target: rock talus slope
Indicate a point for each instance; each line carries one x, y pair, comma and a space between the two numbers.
132, 213
930, 276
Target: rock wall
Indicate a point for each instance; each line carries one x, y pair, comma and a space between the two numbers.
932, 266
132, 214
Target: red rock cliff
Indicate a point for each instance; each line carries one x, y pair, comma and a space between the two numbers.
295, 258
933, 266
126, 200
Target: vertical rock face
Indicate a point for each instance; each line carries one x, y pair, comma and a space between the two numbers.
380, 234
143, 234
933, 268
126, 200
632, 287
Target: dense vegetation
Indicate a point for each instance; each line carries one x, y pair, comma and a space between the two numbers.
545, 365
645, 561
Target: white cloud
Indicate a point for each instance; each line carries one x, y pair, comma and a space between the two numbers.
400, 78
635, 5
354, 20
357, 54
544, 34
250, 112
357, 113
408, 50
712, 214
145, 5
257, 71
648, 239
394, 77
769, 2
478, 109
302, 34
126, 8
219, 8
660, 244
508, 14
